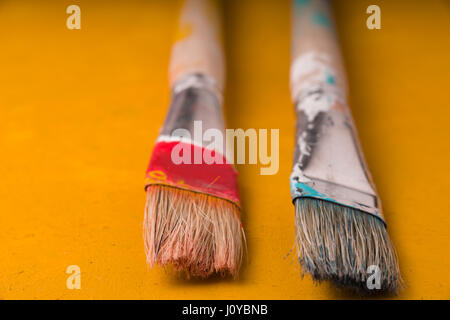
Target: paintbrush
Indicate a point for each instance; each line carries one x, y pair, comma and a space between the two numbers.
192, 214
340, 229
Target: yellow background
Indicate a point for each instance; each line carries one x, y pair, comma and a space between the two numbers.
80, 111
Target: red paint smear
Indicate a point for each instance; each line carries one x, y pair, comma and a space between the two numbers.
218, 180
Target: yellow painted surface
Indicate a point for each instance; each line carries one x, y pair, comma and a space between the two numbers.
80, 111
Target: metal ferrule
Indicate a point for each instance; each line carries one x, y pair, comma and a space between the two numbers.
328, 162
194, 98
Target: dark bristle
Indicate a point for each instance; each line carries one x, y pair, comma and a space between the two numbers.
337, 244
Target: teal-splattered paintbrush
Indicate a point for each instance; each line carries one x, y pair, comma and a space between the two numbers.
340, 230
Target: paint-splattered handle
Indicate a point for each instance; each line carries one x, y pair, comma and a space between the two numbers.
316, 59
198, 45
328, 162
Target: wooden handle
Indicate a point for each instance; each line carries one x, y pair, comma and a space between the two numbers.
316, 58
198, 45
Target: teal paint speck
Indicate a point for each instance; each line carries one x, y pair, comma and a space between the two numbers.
301, 3
321, 19
307, 191
330, 79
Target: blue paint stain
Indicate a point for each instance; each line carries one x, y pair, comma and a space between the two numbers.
299, 189
307, 191
321, 19
330, 79
301, 3
302, 190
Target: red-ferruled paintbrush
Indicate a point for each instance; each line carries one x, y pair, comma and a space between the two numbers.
192, 214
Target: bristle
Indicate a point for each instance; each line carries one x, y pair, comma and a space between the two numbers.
338, 244
194, 232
